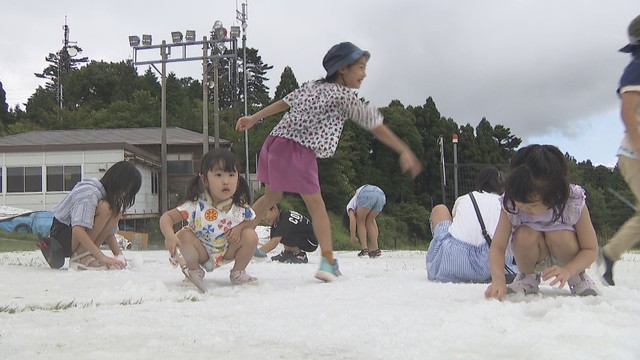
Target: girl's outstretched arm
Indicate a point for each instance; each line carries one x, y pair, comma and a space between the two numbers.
352, 227
246, 122
167, 220
498, 287
408, 161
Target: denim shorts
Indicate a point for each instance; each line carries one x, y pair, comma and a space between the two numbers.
371, 197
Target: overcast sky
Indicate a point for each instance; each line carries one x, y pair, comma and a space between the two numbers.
547, 69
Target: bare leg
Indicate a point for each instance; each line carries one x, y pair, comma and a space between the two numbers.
563, 245
529, 248
293, 249
372, 229
321, 225
103, 222
439, 214
361, 225
262, 205
243, 250
192, 249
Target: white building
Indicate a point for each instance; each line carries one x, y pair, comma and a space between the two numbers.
38, 168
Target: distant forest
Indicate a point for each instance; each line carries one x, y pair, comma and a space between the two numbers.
83, 93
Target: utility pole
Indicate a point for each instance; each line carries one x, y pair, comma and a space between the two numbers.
217, 45
242, 17
64, 60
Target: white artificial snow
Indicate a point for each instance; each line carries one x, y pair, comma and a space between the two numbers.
380, 308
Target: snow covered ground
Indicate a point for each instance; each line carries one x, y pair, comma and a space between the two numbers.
380, 309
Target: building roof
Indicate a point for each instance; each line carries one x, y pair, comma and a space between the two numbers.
132, 136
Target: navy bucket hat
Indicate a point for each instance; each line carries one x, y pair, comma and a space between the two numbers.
343, 54
634, 36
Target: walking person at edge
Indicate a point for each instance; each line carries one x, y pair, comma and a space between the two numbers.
628, 161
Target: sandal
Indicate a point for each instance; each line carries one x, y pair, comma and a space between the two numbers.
240, 277
363, 252
86, 261
196, 277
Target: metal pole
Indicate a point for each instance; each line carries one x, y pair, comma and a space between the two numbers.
444, 177
455, 166
216, 106
205, 97
246, 99
164, 195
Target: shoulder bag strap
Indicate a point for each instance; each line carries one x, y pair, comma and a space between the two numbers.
484, 228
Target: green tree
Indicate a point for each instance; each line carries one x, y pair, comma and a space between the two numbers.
398, 186
432, 127
508, 143
287, 84
61, 64
100, 83
42, 109
5, 116
258, 91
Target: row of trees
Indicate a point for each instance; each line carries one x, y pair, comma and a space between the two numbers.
113, 95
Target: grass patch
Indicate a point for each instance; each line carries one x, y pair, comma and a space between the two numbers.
131, 302
12, 241
7, 245
191, 298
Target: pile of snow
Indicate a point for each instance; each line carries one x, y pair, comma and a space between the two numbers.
379, 309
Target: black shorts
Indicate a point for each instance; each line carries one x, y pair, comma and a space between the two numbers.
62, 233
305, 244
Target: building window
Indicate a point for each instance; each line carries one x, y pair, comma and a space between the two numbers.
154, 182
179, 164
63, 178
24, 179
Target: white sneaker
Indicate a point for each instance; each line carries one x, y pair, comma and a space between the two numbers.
582, 285
524, 284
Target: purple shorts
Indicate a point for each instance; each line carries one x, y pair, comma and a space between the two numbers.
286, 166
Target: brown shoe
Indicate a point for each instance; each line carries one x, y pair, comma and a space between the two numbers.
375, 253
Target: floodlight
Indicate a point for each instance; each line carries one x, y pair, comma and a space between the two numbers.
72, 51
235, 32
220, 33
134, 40
146, 40
176, 36
190, 36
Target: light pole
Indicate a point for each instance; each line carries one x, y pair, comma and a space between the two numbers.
444, 176
64, 59
217, 41
455, 166
242, 17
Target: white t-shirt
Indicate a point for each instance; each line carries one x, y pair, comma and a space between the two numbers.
465, 226
353, 203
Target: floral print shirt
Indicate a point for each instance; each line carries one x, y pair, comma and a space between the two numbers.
316, 116
211, 224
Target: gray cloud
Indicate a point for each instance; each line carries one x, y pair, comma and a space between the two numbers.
535, 66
